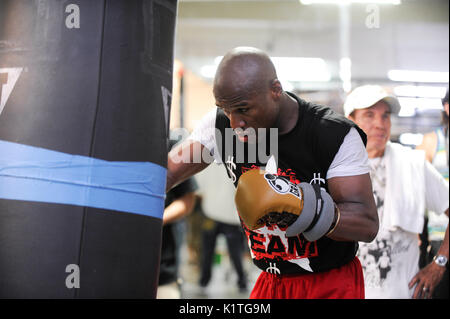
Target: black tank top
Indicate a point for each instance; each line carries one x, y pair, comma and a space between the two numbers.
304, 155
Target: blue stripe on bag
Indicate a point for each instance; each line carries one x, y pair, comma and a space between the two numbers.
34, 174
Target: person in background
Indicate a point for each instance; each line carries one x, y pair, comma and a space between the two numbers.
220, 218
435, 145
404, 185
179, 202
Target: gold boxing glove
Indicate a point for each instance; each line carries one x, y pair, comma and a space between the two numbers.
263, 198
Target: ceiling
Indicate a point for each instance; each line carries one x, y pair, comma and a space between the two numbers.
413, 35
377, 38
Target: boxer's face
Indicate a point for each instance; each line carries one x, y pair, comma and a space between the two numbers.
248, 110
375, 121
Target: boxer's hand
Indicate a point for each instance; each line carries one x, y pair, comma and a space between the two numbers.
319, 207
269, 199
265, 198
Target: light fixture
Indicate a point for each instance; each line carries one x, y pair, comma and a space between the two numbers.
301, 69
289, 69
420, 91
418, 76
411, 105
346, 2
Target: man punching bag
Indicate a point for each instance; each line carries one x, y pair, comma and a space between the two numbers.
85, 92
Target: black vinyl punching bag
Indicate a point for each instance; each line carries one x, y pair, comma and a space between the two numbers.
85, 90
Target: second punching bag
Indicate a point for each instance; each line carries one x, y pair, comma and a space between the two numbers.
85, 89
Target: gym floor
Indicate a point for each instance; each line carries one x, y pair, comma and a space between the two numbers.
223, 284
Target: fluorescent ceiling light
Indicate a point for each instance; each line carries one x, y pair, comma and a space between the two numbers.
345, 2
418, 76
411, 105
291, 69
301, 69
420, 91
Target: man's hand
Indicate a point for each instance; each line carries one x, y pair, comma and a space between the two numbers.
428, 278
426, 281
263, 198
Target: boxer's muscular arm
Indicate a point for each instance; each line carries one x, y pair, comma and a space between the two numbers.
359, 217
186, 160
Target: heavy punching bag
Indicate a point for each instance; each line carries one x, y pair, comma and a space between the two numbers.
85, 90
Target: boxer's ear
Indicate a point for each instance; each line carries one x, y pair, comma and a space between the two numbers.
276, 88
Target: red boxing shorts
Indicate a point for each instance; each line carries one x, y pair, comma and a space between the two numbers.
345, 282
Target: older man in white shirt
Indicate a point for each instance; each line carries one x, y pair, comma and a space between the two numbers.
404, 185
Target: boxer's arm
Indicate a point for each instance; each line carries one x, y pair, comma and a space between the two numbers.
194, 154
186, 160
358, 213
